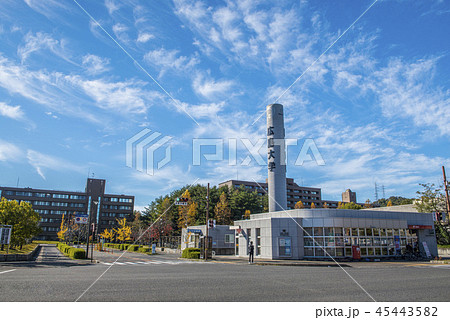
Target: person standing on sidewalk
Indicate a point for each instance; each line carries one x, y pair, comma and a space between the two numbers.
251, 251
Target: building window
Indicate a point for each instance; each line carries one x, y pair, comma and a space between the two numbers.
127, 200
229, 238
60, 196
77, 205
338, 242
258, 241
60, 204
77, 197
41, 203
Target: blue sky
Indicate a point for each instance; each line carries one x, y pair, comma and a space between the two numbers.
74, 90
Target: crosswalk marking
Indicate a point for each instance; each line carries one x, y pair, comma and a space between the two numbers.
148, 262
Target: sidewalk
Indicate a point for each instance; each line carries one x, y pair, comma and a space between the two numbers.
267, 262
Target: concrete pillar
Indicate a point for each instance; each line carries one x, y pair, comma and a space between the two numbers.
276, 158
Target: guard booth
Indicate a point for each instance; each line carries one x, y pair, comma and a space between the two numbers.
204, 240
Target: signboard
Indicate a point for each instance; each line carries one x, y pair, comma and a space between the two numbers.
195, 231
82, 218
153, 248
5, 234
417, 227
427, 250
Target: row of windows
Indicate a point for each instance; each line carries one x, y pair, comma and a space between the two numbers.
354, 241
50, 220
44, 195
114, 207
303, 191
338, 242
49, 229
45, 211
306, 198
362, 232
58, 204
123, 200
115, 215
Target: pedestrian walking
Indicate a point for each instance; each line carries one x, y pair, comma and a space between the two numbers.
251, 251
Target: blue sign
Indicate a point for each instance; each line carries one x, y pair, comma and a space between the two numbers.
195, 231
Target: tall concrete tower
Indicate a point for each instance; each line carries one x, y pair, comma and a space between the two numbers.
276, 158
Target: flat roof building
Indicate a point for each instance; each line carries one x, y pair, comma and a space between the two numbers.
321, 233
294, 192
52, 205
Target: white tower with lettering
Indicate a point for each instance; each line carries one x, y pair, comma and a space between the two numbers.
276, 158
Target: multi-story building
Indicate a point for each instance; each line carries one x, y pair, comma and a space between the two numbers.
52, 205
349, 196
295, 193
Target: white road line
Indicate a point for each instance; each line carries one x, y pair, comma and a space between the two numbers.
7, 271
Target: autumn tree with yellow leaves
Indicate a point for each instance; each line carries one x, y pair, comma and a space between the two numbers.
123, 232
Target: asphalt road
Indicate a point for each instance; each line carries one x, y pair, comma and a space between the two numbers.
166, 278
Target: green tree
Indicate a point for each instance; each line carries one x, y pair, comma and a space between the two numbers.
241, 200
23, 219
350, 205
431, 199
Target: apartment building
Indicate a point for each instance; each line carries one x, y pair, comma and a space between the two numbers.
294, 192
52, 205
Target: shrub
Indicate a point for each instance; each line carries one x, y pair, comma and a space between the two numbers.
133, 248
71, 252
191, 253
77, 253
144, 250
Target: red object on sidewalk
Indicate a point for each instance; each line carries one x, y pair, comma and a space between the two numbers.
356, 252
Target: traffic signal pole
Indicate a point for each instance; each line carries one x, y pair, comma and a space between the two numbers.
447, 199
207, 223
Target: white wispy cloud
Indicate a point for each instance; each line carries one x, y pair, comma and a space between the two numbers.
144, 37
43, 41
9, 151
209, 88
112, 6
42, 161
170, 60
406, 90
95, 65
12, 112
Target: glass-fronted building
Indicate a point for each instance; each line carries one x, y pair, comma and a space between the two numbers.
336, 233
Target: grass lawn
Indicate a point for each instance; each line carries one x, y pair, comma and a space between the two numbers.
26, 248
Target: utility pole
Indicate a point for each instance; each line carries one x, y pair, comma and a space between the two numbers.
207, 223
447, 199
90, 225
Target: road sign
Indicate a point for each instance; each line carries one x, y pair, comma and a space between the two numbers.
5, 234
82, 218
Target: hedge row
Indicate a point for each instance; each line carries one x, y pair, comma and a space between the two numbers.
129, 247
71, 252
191, 253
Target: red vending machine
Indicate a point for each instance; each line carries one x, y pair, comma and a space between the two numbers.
356, 252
